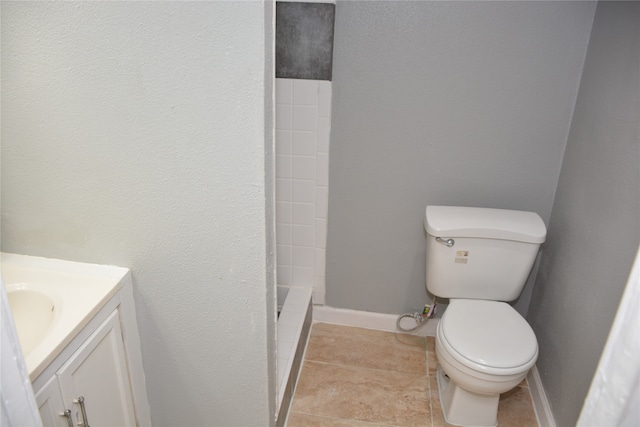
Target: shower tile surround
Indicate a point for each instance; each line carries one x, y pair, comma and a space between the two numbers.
303, 123
304, 64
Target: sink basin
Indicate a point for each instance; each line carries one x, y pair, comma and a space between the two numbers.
52, 300
34, 314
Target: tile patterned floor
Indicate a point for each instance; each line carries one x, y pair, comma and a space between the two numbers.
360, 377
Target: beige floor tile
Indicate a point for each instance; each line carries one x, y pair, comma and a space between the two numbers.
516, 409
362, 394
306, 420
367, 348
359, 377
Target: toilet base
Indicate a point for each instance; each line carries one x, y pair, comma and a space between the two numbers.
464, 408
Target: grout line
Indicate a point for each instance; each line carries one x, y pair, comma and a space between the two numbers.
346, 419
429, 385
364, 367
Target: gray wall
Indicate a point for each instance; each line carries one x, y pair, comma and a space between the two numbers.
462, 103
136, 134
594, 232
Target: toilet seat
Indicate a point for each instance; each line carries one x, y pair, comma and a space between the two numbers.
488, 336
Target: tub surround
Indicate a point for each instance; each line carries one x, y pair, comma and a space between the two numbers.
303, 124
304, 67
294, 323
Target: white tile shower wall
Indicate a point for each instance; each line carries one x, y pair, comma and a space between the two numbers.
303, 124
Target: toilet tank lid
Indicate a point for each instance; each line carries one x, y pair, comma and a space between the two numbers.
458, 221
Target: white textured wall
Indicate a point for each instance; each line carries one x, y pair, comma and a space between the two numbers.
461, 103
133, 133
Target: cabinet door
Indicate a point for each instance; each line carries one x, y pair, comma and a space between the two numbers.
51, 405
98, 372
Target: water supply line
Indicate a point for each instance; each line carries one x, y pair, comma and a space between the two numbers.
420, 318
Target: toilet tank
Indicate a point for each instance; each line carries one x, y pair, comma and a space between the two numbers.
480, 253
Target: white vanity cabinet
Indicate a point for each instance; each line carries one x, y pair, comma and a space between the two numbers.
100, 368
85, 362
95, 377
96, 374
51, 405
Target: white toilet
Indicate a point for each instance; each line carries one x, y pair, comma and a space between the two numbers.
479, 258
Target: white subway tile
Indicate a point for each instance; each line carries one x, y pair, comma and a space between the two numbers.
324, 99
324, 129
302, 276
321, 233
322, 200
284, 140
303, 126
284, 91
285, 274
322, 169
319, 291
299, 308
283, 234
305, 117
303, 143
283, 212
288, 317
303, 191
305, 92
287, 333
298, 297
284, 117
284, 346
303, 167
303, 256
303, 235
284, 255
282, 365
284, 191
302, 214
319, 264
284, 166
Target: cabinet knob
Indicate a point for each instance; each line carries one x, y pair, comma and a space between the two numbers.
67, 415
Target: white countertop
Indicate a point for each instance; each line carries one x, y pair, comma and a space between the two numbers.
79, 291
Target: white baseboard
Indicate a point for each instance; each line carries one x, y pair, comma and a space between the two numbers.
539, 398
366, 319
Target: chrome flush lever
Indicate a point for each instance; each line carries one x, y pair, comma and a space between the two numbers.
446, 242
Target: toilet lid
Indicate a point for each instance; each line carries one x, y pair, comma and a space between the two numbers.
488, 333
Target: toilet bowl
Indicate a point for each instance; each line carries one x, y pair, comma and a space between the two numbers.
484, 348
